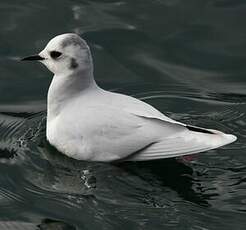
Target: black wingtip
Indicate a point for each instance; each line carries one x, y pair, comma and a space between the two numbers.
197, 129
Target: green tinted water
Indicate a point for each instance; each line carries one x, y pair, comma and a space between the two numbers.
185, 57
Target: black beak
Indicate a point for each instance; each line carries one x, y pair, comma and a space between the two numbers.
33, 58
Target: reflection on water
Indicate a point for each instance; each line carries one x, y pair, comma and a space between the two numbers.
184, 57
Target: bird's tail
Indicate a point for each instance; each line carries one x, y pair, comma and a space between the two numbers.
191, 140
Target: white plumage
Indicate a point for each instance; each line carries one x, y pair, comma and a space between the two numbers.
86, 122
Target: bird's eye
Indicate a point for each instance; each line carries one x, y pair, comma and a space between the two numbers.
55, 54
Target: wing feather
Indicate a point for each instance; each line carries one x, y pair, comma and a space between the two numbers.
184, 143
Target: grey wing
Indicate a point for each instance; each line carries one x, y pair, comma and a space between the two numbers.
171, 138
182, 140
116, 134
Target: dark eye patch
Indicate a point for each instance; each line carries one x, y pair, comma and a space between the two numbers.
55, 54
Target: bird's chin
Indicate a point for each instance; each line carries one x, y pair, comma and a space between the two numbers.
48, 66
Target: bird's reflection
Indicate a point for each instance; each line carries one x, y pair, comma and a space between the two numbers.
172, 173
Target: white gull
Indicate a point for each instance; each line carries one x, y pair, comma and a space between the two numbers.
88, 123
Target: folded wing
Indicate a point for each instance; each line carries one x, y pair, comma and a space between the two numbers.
188, 141
149, 134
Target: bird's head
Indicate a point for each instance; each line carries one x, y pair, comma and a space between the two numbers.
64, 54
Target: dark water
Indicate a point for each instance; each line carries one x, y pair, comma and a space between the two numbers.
185, 57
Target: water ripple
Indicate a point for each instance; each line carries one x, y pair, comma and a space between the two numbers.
160, 189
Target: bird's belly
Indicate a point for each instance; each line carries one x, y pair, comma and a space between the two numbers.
77, 143
68, 141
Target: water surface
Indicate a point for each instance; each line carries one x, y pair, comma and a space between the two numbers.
185, 57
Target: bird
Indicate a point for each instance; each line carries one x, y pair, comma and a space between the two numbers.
88, 123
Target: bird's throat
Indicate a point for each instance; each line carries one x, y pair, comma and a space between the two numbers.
65, 88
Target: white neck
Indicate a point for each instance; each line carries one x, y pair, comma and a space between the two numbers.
65, 87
